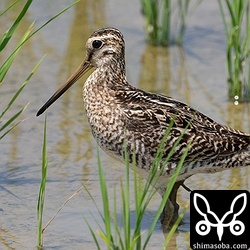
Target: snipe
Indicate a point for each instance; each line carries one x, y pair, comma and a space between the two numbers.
117, 111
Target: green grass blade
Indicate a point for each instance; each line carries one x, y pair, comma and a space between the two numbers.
148, 192
158, 158
118, 236
11, 128
51, 19
237, 47
173, 229
126, 202
99, 211
232, 13
41, 196
121, 238
8, 62
94, 202
8, 106
166, 22
105, 199
32, 34
13, 118
21, 88
8, 8
223, 17
165, 197
7, 36
138, 193
93, 235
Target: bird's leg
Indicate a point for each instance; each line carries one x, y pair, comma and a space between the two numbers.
170, 211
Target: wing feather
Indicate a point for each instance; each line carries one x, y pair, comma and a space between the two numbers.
149, 116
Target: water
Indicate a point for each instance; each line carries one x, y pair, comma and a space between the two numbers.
195, 74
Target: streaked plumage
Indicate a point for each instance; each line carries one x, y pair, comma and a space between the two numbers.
118, 111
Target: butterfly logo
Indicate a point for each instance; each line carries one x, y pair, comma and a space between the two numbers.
210, 219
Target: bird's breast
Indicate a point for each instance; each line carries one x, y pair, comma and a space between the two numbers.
104, 115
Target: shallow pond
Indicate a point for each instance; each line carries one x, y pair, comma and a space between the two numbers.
195, 74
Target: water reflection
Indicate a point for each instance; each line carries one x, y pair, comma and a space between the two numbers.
76, 137
6, 238
165, 70
238, 116
155, 71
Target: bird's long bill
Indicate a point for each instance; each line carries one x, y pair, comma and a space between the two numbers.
81, 70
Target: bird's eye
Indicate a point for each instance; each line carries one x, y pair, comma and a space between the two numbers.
97, 44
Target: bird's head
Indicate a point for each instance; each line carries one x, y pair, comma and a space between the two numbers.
104, 47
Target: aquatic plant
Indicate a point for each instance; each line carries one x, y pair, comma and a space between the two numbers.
122, 233
41, 196
8, 120
161, 14
6, 125
236, 19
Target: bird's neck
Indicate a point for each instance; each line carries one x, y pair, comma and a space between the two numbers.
99, 94
106, 80
116, 70
111, 75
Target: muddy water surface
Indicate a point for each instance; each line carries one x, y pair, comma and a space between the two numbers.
195, 74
